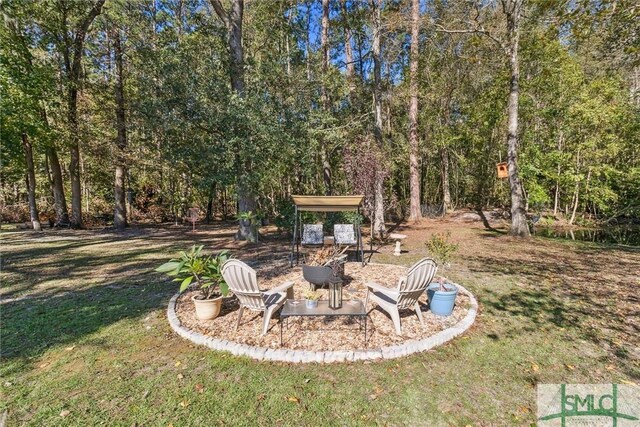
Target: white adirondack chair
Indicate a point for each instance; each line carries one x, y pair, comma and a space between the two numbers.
243, 283
406, 294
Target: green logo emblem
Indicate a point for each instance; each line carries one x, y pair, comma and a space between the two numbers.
587, 404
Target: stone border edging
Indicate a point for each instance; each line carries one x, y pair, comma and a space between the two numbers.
332, 356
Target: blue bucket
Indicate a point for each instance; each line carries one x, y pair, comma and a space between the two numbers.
441, 302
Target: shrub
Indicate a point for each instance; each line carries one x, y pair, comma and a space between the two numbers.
440, 248
285, 219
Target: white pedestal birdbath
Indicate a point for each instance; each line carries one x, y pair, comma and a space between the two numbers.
398, 238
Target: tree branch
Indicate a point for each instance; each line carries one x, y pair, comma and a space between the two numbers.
222, 14
81, 34
476, 30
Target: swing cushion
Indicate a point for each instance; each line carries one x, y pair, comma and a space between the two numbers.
344, 234
312, 234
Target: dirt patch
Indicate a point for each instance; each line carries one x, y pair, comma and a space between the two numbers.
322, 333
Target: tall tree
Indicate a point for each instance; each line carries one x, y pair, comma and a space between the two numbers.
414, 173
513, 12
378, 209
246, 197
120, 206
348, 48
59, 198
324, 47
72, 53
31, 182
60, 203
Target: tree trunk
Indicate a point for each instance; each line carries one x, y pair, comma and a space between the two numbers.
120, 205
233, 21
348, 49
378, 210
414, 173
49, 178
519, 226
326, 173
324, 47
558, 170
555, 198
446, 193
72, 52
129, 197
212, 194
31, 183
576, 194
74, 164
235, 46
59, 199
324, 97
307, 39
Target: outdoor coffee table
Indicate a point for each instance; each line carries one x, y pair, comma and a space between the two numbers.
299, 308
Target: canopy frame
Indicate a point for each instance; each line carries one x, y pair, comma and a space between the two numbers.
324, 204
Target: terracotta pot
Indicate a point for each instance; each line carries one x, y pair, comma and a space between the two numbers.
207, 309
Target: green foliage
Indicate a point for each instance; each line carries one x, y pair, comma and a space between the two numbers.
285, 217
441, 248
346, 217
192, 140
203, 271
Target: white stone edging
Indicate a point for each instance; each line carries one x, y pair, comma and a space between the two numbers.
307, 356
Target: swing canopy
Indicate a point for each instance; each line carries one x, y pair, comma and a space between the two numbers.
327, 203
324, 204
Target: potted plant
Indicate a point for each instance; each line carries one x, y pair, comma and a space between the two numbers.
442, 293
203, 273
442, 297
324, 266
311, 298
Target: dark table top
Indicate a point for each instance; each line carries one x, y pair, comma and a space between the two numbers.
299, 308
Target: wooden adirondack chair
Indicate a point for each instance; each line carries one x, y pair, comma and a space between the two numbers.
406, 293
243, 283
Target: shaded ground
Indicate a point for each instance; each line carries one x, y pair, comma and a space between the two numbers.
84, 331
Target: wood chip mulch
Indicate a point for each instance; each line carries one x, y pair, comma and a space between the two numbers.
322, 333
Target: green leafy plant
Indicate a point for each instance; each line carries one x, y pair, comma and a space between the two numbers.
194, 268
441, 248
253, 218
312, 295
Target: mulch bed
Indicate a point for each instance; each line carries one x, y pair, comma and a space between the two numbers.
322, 333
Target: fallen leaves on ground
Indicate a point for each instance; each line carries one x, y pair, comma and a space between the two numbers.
376, 393
345, 333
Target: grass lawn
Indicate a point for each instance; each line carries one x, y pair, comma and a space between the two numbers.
85, 339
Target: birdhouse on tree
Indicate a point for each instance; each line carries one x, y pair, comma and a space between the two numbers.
503, 171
